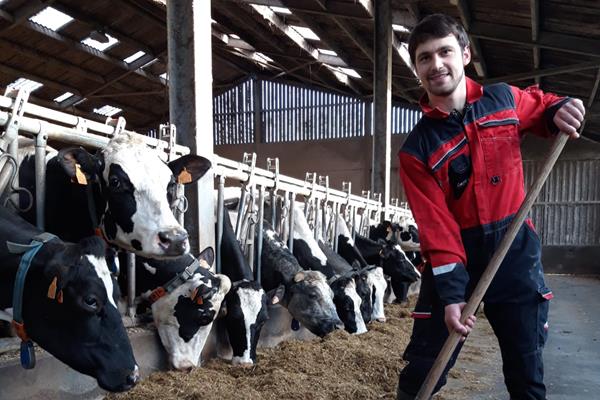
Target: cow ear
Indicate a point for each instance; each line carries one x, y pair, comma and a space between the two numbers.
276, 295
208, 256
356, 265
299, 277
78, 164
189, 168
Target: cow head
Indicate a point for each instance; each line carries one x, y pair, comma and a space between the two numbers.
71, 312
395, 263
184, 316
309, 299
347, 303
246, 315
137, 190
363, 289
407, 235
377, 284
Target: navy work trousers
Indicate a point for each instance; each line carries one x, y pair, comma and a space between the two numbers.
516, 307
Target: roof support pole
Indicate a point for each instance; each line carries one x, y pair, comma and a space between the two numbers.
382, 101
190, 106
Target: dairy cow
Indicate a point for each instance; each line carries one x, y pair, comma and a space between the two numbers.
185, 299
125, 190
246, 301
68, 303
311, 256
305, 294
375, 278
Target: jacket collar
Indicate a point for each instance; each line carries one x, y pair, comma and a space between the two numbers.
474, 93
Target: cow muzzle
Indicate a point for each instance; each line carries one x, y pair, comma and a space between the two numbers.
174, 242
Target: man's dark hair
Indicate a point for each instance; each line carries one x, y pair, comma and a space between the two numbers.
436, 26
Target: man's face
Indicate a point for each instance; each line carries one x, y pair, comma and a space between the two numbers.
440, 65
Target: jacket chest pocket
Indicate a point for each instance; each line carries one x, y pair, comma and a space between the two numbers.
500, 145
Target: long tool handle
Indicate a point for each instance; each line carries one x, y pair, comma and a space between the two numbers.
453, 339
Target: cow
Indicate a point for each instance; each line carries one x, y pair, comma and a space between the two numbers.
185, 298
394, 262
246, 302
125, 191
375, 277
305, 294
310, 255
69, 302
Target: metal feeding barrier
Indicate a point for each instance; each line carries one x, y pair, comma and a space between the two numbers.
322, 205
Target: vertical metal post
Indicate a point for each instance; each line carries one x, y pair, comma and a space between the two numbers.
259, 236
240, 213
291, 221
220, 219
335, 227
130, 285
40, 175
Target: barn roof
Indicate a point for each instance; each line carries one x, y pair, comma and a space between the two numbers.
553, 43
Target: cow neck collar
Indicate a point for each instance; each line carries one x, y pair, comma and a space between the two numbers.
175, 282
29, 251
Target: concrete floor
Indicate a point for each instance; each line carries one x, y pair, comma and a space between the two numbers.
571, 356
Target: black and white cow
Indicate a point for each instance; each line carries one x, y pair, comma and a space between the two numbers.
394, 262
69, 305
246, 301
184, 306
311, 256
375, 278
305, 294
132, 190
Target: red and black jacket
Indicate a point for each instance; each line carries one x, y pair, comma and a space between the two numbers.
465, 171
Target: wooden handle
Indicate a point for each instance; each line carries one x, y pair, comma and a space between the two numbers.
453, 339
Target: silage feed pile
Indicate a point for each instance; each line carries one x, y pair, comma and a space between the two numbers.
339, 366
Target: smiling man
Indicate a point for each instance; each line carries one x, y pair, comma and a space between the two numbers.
462, 172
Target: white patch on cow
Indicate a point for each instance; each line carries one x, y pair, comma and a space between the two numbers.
150, 177
272, 235
6, 314
302, 231
250, 303
350, 291
104, 274
184, 354
344, 231
149, 268
397, 247
376, 280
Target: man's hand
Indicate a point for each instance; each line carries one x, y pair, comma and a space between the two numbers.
569, 117
452, 318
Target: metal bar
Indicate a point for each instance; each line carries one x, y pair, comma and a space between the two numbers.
259, 236
291, 221
220, 216
40, 177
130, 285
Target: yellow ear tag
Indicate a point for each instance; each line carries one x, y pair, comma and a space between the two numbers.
184, 177
79, 175
52, 289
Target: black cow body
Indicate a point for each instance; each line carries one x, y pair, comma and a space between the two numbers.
81, 325
246, 301
305, 294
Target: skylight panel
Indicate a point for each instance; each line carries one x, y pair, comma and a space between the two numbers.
350, 72
63, 97
134, 57
262, 57
165, 76
98, 45
233, 36
403, 52
51, 18
107, 111
23, 83
400, 28
327, 52
281, 10
306, 33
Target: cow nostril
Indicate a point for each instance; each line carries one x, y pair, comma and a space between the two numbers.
133, 378
165, 237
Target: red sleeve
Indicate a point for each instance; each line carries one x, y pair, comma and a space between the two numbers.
536, 110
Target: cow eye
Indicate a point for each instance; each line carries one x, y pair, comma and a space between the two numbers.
91, 302
114, 182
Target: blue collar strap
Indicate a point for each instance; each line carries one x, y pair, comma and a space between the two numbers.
29, 251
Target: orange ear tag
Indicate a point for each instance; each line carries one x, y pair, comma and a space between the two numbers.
184, 177
52, 289
79, 175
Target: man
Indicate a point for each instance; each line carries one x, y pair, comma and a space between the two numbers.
462, 172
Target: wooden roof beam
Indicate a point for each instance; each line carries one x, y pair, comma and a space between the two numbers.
465, 17
23, 13
546, 40
545, 72
591, 100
